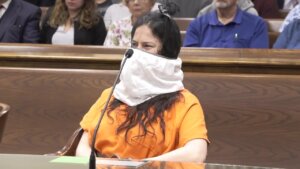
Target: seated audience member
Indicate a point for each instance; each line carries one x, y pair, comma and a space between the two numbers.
19, 22
150, 110
119, 31
119, 11
245, 5
290, 4
102, 6
73, 22
290, 37
267, 8
293, 14
227, 27
190, 8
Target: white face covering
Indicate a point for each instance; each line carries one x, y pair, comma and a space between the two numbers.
146, 75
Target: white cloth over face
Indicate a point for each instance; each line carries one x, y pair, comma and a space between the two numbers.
146, 75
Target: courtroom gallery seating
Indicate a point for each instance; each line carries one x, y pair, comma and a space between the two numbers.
183, 23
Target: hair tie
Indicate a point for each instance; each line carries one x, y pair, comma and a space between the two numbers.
164, 10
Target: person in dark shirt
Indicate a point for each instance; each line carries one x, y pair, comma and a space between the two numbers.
19, 22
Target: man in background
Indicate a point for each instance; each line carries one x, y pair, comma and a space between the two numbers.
227, 27
245, 5
19, 22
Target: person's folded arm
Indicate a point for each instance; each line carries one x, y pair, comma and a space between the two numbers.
193, 151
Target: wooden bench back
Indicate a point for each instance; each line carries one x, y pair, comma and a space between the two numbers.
253, 119
270, 61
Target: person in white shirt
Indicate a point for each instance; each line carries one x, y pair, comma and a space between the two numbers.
119, 11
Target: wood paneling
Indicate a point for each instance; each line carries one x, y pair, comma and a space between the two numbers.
252, 119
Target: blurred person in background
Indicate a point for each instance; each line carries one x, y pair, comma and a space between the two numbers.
19, 22
119, 31
73, 22
290, 4
289, 38
227, 27
245, 5
292, 15
119, 11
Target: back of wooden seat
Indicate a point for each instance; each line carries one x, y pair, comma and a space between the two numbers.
274, 24
252, 119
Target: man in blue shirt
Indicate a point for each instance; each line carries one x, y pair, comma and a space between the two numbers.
227, 27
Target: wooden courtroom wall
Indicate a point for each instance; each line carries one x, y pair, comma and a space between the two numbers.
251, 119
251, 104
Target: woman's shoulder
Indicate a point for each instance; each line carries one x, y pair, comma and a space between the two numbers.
188, 97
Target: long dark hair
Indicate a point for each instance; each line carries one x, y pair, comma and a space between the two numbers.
145, 114
152, 110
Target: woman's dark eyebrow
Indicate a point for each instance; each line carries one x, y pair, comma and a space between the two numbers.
152, 43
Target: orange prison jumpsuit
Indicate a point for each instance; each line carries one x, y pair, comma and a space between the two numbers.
184, 122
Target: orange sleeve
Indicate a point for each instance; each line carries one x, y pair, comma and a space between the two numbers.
93, 114
193, 122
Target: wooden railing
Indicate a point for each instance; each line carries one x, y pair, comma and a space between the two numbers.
194, 59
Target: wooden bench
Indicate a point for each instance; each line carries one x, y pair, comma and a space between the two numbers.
253, 119
194, 59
